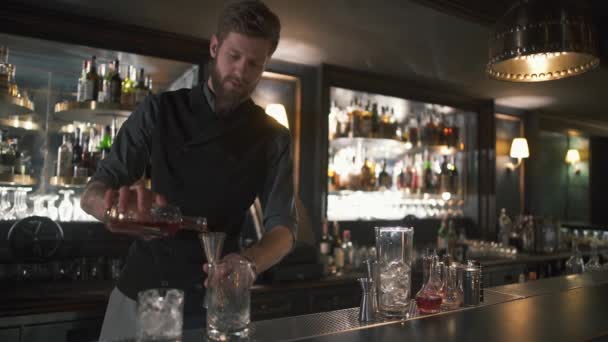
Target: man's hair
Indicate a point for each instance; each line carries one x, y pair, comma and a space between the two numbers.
251, 18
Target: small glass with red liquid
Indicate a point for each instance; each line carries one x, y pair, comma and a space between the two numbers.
159, 222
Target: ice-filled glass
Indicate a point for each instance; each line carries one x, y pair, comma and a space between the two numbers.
394, 247
160, 315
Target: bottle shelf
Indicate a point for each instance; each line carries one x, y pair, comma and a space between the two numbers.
91, 111
374, 148
13, 105
69, 182
379, 148
433, 149
16, 180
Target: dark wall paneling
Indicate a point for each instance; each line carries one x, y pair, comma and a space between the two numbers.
554, 179
27, 20
578, 207
509, 190
598, 180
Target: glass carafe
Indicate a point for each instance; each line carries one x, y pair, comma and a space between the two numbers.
428, 299
452, 293
66, 208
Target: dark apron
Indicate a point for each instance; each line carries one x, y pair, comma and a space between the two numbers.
207, 167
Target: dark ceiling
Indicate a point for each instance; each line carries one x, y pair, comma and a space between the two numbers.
441, 41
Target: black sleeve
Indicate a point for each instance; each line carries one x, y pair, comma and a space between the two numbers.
131, 148
277, 196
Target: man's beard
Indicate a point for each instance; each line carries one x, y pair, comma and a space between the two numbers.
227, 99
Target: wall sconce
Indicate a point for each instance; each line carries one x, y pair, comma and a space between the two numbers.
572, 158
519, 150
278, 112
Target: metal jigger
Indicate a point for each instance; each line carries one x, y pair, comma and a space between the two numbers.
212, 243
366, 311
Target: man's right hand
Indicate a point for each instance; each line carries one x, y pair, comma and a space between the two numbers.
133, 199
99, 197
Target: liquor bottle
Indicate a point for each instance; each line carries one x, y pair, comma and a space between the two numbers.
77, 149
349, 251
367, 178
442, 132
505, 226
375, 121
82, 81
106, 142
414, 132
91, 86
416, 174
452, 237
140, 88
5, 70
128, 87
64, 158
5, 168
365, 123
428, 177
103, 85
149, 84
445, 177
401, 181
429, 132
90, 156
326, 239
115, 83
337, 248
454, 177
10, 155
442, 236
384, 179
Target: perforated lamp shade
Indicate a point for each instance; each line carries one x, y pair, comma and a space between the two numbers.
278, 112
543, 40
519, 148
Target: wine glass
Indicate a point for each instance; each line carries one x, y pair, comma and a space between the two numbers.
39, 208
51, 208
20, 207
66, 208
5, 204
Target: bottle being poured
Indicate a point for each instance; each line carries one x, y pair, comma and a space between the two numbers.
159, 222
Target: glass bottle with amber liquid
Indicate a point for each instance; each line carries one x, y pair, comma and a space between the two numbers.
384, 178
337, 249
114, 83
91, 85
140, 88
367, 176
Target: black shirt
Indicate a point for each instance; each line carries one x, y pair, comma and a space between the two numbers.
206, 164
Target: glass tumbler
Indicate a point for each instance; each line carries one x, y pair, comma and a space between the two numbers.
394, 247
160, 315
228, 309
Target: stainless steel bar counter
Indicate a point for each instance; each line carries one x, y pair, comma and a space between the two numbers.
570, 308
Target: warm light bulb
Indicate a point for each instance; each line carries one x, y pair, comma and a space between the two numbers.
278, 112
573, 156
